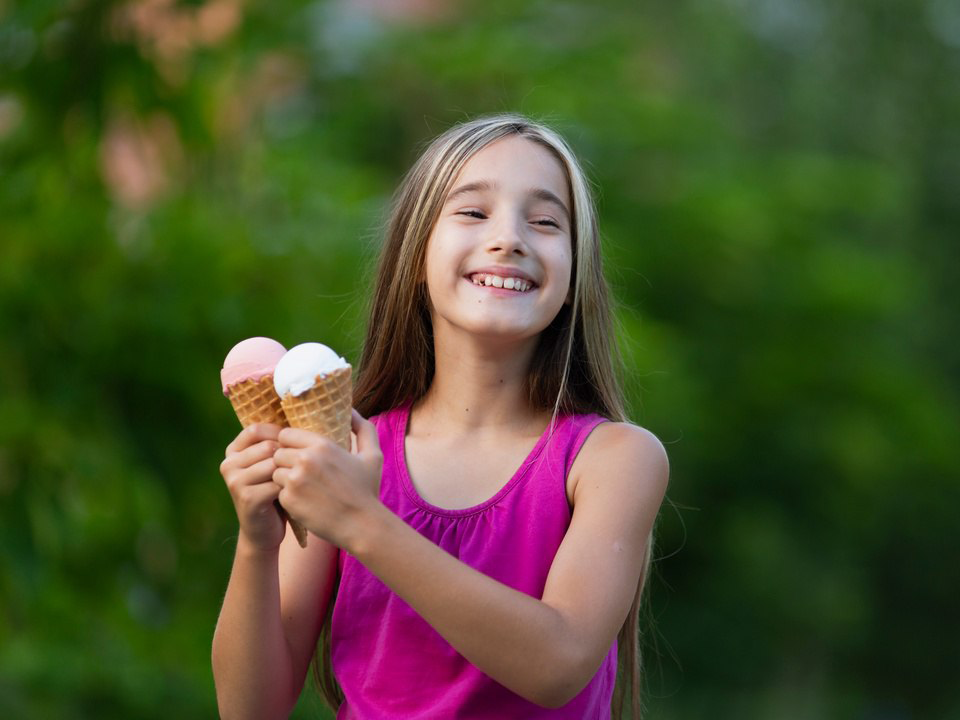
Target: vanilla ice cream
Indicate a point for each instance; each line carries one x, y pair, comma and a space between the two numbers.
298, 369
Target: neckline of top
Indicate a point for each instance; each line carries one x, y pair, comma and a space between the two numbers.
401, 423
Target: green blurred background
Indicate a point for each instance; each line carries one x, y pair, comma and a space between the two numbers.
778, 184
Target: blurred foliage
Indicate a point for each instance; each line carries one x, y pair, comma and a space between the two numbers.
778, 183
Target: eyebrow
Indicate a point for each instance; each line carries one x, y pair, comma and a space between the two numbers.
483, 185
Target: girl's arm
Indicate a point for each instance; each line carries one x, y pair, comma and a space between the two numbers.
544, 650
276, 597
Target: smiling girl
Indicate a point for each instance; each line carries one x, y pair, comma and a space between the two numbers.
482, 551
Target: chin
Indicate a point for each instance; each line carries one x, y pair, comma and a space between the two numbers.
506, 331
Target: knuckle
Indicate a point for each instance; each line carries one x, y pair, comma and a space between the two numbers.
246, 496
235, 485
312, 458
267, 449
297, 478
258, 432
324, 448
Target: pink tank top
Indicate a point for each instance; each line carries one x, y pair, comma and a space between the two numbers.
388, 660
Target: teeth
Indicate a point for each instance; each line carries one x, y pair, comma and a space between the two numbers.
509, 283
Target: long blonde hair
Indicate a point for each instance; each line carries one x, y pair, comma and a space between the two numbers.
576, 368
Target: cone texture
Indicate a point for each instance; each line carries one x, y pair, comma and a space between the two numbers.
256, 401
324, 408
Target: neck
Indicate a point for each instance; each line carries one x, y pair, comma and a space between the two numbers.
478, 383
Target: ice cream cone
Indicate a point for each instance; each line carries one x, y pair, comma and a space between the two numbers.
323, 408
256, 401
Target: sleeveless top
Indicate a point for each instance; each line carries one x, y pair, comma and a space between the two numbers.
389, 662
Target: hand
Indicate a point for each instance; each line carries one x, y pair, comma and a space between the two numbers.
325, 487
248, 471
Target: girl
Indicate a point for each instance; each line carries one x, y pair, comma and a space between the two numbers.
490, 533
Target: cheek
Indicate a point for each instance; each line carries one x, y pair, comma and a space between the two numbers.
443, 258
564, 268
432, 261
432, 277
564, 275
439, 276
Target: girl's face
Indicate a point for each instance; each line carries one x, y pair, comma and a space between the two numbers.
498, 260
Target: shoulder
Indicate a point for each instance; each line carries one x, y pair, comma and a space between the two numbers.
384, 420
620, 458
385, 417
621, 439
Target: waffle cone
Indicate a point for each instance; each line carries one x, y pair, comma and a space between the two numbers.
256, 401
324, 408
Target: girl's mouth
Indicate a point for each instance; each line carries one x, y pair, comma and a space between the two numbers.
515, 284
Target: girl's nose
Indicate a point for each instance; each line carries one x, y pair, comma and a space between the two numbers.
507, 238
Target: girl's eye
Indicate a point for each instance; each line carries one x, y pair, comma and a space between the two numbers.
472, 213
546, 221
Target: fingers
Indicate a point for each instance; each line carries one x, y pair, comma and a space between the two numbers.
281, 476
249, 455
320, 449
298, 438
303, 448
252, 466
257, 474
286, 457
251, 435
259, 497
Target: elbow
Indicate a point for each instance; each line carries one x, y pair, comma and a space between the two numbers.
235, 702
553, 700
565, 680
557, 694
236, 707
237, 711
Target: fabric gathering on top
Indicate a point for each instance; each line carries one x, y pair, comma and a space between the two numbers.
390, 662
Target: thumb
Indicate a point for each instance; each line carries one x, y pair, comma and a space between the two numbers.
365, 431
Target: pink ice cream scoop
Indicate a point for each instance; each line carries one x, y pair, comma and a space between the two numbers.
250, 359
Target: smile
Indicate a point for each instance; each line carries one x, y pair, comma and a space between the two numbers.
508, 283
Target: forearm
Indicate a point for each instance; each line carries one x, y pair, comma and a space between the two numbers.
519, 641
252, 666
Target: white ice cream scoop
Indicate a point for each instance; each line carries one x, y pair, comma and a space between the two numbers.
297, 370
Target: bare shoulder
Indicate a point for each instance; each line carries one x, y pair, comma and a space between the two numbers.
620, 457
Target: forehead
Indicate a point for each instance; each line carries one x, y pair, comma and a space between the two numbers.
516, 163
